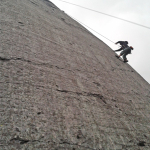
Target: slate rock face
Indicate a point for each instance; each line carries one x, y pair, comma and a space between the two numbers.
61, 88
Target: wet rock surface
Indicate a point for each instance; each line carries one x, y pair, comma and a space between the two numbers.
62, 88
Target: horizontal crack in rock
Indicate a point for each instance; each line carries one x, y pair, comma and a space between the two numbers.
21, 140
85, 94
29, 61
24, 141
8, 59
4, 59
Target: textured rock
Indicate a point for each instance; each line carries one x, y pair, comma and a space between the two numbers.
62, 88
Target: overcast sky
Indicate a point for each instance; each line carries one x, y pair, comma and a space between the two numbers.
137, 11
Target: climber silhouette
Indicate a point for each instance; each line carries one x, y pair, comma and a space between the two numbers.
126, 50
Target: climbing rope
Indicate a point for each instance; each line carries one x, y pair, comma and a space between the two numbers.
106, 14
92, 29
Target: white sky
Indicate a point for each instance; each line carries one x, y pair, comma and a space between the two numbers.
137, 11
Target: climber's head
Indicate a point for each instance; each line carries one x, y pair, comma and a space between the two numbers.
131, 47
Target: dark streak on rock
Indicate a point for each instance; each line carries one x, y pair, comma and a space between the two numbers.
4, 59
9, 59
58, 67
22, 141
21, 23
63, 91
39, 113
85, 94
141, 143
97, 83
95, 95
34, 3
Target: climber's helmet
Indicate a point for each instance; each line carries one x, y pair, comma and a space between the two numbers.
131, 47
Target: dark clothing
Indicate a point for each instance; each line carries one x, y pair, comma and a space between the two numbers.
119, 49
123, 44
125, 52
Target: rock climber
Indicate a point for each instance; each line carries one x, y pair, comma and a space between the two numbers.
125, 52
123, 44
